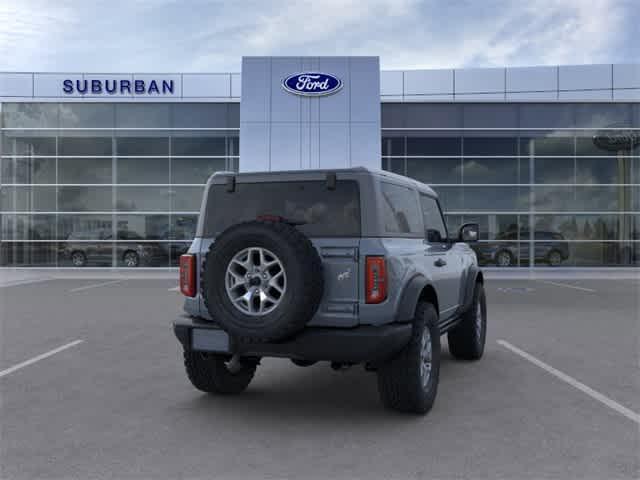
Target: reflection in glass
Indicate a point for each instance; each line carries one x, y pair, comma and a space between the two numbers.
142, 199
28, 227
85, 227
554, 170
81, 253
27, 199
186, 199
25, 254
138, 227
85, 199
490, 146
17, 143
195, 170
501, 253
193, 146
137, 146
142, 170
84, 170
435, 170
434, 146
85, 145
30, 115
142, 254
603, 170
490, 170
495, 198
28, 170
183, 227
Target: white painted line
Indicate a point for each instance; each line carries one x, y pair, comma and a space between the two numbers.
630, 414
39, 357
568, 286
174, 289
15, 283
95, 285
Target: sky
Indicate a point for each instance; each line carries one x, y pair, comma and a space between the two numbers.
164, 36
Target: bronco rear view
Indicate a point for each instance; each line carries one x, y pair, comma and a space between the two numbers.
349, 266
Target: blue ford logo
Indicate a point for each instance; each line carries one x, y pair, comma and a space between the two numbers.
312, 84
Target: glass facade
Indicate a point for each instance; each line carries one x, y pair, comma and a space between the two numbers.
107, 184
550, 184
120, 184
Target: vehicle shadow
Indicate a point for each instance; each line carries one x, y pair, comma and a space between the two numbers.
295, 394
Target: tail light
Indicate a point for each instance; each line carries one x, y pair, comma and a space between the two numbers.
188, 275
376, 280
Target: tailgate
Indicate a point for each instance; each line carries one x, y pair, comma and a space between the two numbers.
341, 271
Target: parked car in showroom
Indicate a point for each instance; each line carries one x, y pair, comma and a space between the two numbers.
509, 249
95, 248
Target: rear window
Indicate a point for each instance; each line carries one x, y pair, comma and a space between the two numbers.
321, 212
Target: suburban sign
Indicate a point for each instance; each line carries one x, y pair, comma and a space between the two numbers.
99, 86
312, 84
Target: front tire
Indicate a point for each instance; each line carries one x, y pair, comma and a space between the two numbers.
409, 381
467, 339
210, 373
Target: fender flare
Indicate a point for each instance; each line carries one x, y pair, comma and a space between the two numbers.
472, 277
409, 298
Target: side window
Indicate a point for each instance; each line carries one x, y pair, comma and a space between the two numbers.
400, 210
435, 230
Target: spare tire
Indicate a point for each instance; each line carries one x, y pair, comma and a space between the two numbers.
262, 281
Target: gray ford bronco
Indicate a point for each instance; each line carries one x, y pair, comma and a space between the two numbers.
349, 266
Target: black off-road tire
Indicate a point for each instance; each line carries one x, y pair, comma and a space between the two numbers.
209, 373
304, 281
399, 380
467, 339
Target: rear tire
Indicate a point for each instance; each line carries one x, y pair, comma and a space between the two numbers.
554, 258
210, 373
402, 382
467, 339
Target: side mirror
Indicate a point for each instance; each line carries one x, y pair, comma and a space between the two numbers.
469, 232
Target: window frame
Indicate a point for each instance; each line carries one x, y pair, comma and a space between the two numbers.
415, 192
444, 223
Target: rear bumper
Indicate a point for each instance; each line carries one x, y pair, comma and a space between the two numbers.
353, 345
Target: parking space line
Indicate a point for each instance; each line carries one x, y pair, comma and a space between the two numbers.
630, 414
39, 357
95, 285
174, 289
584, 289
24, 282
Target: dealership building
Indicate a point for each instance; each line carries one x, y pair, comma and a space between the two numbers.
108, 170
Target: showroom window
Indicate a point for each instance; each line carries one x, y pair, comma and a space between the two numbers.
538, 178
105, 179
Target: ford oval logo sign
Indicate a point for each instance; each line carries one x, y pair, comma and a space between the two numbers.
312, 84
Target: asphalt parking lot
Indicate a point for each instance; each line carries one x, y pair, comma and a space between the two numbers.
557, 394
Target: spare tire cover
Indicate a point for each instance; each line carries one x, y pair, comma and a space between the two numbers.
262, 281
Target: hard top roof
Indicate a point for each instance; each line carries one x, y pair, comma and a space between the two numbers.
318, 174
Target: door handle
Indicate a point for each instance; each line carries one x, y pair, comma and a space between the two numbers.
440, 262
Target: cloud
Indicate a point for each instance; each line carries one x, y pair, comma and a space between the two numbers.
201, 35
